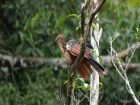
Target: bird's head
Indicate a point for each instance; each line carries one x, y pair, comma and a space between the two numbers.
59, 37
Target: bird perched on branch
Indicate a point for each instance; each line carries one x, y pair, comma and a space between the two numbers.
71, 49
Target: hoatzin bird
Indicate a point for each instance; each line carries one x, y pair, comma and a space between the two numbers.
71, 50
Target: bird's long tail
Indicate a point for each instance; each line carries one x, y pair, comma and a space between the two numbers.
97, 67
84, 70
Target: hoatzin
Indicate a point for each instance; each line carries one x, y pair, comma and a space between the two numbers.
71, 50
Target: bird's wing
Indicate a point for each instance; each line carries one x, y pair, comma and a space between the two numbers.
88, 45
73, 47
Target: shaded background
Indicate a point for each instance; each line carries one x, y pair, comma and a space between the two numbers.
29, 28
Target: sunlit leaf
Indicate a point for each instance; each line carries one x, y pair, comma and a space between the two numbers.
73, 15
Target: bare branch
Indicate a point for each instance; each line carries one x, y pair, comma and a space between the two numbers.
21, 62
122, 72
78, 60
84, 7
122, 54
125, 52
95, 38
95, 11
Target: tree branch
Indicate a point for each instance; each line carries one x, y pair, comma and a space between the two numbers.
95, 11
95, 38
85, 32
79, 58
20, 62
122, 72
122, 54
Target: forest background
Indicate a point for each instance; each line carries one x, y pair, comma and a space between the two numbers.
28, 28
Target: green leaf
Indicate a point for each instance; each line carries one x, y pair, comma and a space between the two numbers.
100, 85
34, 20
39, 52
74, 15
31, 37
65, 82
94, 26
21, 34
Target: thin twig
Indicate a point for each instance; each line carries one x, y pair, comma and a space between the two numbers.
123, 74
130, 59
112, 60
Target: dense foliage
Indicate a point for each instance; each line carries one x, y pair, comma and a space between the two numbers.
29, 28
